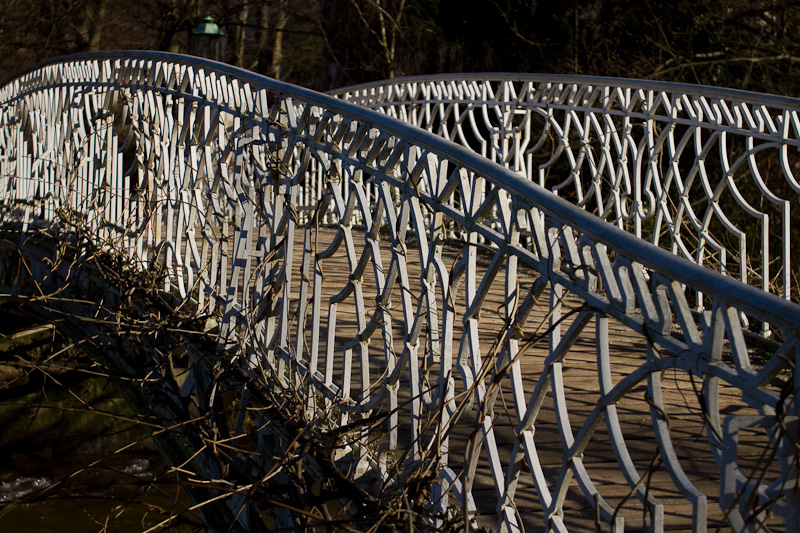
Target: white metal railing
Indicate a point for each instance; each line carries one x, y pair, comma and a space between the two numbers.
707, 173
214, 172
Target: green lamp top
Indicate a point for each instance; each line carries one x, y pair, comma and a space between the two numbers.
208, 27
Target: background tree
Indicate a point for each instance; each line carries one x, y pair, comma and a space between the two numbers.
747, 44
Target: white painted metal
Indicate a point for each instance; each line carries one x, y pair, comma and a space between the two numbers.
215, 173
707, 173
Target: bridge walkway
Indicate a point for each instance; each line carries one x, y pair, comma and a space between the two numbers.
682, 398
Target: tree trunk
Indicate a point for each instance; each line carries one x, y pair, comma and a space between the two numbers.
262, 37
277, 48
239, 36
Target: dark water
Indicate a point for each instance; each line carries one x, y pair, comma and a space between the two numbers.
115, 493
59, 470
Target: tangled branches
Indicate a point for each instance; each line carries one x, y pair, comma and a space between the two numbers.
245, 450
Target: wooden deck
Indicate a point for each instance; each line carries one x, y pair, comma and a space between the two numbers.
681, 398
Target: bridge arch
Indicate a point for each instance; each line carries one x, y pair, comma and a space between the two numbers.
383, 271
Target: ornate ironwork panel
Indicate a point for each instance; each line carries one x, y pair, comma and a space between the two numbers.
707, 173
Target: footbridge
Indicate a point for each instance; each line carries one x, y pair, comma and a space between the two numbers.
523, 303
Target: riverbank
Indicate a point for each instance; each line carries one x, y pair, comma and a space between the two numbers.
73, 455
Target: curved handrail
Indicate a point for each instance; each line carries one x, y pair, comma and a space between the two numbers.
628, 150
205, 169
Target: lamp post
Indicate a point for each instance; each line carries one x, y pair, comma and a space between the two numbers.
208, 40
